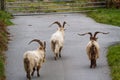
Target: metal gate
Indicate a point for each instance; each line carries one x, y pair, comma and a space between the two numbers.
32, 7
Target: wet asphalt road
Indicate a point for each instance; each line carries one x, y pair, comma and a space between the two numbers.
74, 64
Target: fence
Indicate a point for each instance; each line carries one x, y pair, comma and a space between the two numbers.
38, 7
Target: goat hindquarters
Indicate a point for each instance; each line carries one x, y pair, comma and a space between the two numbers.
93, 54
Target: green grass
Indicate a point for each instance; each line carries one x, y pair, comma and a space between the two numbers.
107, 16
110, 16
4, 21
114, 61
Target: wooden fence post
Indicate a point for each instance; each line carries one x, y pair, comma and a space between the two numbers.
2, 5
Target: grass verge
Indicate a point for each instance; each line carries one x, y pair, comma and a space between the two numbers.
107, 16
110, 16
4, 37
114, 61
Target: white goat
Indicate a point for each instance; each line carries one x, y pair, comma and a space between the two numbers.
33, 59
57, 40
92, 48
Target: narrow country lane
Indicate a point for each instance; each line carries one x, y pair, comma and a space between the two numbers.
74, 64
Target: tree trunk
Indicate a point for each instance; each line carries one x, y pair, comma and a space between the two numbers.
3, 5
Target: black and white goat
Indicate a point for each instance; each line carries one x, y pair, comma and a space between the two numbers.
57, 39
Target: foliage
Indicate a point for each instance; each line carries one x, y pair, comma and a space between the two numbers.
3, 47
4, 37
5, 17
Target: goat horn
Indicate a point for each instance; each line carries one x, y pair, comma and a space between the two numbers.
36, 40
64, 24
56, 22
99, 32
85, 34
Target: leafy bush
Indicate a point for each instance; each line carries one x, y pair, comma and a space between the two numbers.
4, 37
5, 17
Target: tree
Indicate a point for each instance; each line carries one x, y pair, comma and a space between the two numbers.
2, 4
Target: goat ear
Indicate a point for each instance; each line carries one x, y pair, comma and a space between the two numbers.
97, 38
44, 44
65, 23
65, 29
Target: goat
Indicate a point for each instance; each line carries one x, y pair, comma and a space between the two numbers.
33, 60
57, 39
92, 48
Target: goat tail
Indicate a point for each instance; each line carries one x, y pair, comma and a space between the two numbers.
27, 65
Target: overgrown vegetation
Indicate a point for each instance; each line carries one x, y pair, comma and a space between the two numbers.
107, 16
110, 16
114, 61
5, 17
4, 37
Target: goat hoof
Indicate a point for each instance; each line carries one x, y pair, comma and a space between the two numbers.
57, 55
60, 55
38, 75
55, 58
94, 67
90, 66
32, 74
28, 78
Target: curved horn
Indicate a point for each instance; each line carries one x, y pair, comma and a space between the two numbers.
64, 24
100, 32
85, 34
56, 22
36, 40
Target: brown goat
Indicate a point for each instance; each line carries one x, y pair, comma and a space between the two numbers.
33, 60
92, 48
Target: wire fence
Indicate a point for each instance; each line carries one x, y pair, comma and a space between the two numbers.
38, 7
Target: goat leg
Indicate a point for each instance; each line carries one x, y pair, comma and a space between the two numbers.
33, 71
60, 55
95, 64
91, 64
56, 56
60, 52
28, 76
38, 68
